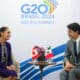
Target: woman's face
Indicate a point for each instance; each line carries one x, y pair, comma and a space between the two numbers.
6, 34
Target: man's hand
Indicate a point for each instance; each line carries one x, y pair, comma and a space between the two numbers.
68, 66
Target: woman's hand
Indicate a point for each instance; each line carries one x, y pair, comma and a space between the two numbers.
11, 67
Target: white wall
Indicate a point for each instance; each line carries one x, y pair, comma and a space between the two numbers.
25, 36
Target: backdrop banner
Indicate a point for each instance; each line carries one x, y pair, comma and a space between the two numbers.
39, 23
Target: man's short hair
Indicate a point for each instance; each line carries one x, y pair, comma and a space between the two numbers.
74, 27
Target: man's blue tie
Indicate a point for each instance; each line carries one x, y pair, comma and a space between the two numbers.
75, 51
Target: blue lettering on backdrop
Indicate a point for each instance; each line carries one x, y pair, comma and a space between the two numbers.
36, 14
34, 9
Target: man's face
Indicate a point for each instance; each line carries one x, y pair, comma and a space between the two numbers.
72, 34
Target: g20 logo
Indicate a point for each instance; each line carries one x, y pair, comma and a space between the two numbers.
34, 9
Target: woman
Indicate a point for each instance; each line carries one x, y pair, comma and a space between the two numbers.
7, 69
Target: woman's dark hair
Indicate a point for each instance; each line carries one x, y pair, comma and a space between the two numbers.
2, 29
74, 27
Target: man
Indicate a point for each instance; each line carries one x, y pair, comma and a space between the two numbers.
72, 54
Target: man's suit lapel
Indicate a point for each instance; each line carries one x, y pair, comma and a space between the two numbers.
72, 47
79, 48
